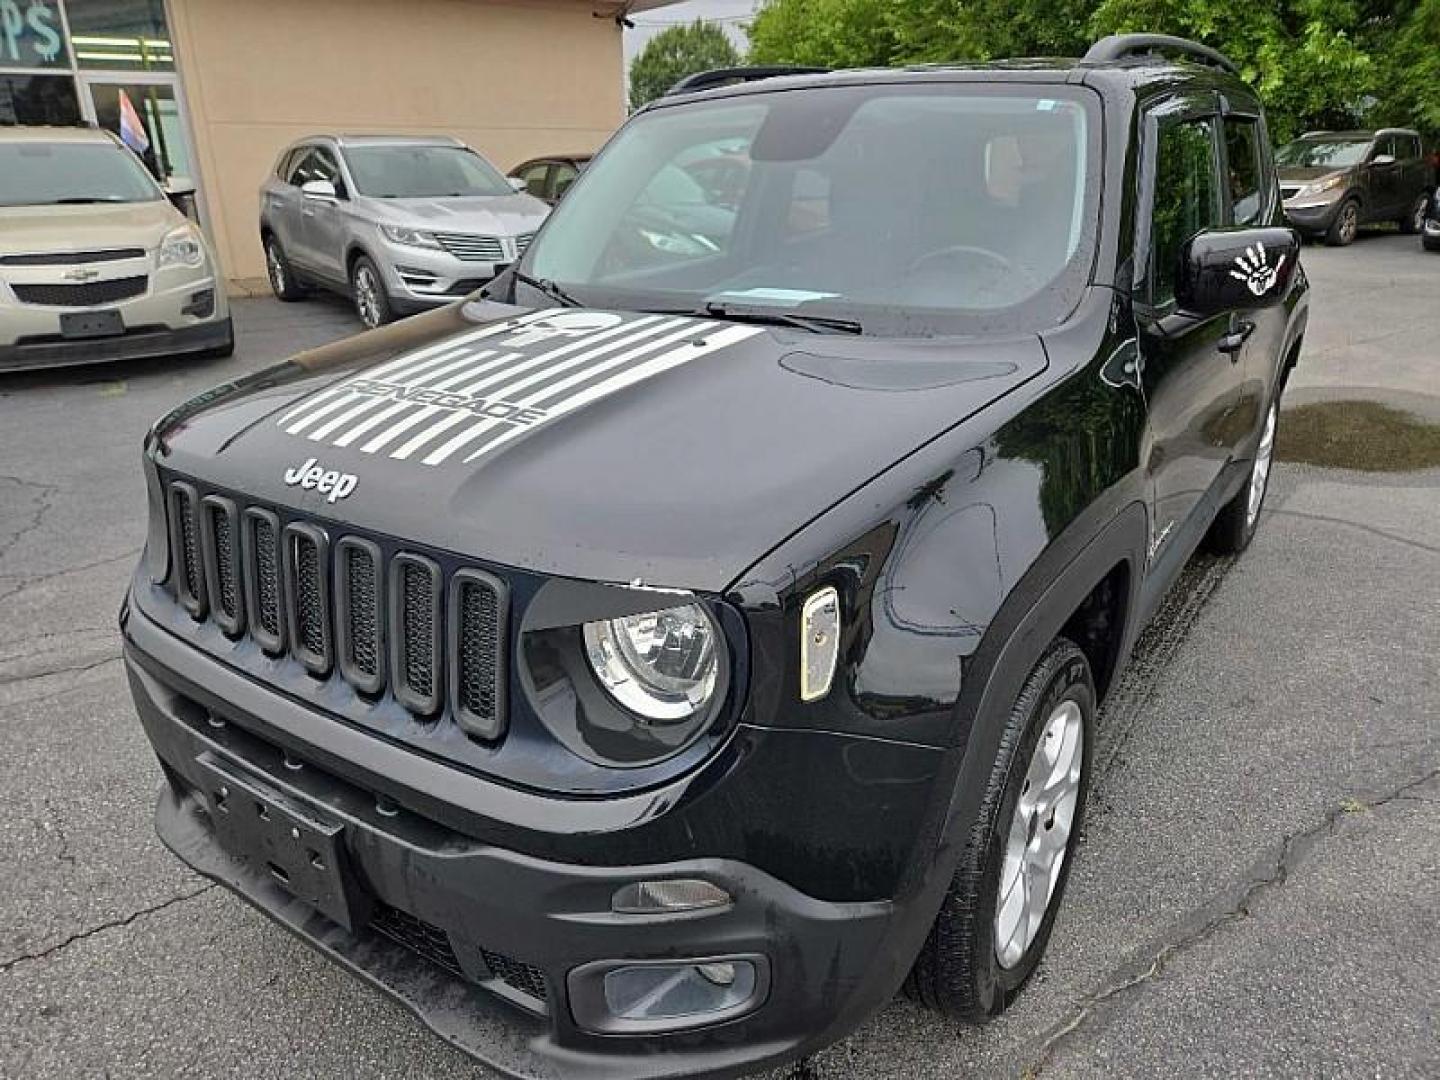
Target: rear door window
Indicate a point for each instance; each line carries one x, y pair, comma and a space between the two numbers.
1187, 196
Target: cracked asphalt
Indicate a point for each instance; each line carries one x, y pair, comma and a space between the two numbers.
1256, 893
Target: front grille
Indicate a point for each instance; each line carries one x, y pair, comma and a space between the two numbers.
342, 604
87, 295
72, 258
470, 248
522, 242
417, 935
525, 978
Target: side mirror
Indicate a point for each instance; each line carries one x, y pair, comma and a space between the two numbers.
1225, 269
318, 189
1383, 159
517, 184
179, 185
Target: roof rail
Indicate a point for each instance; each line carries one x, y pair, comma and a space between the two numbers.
1119, 46
710, 80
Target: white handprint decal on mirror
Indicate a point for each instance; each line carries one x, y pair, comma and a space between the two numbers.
1255, 271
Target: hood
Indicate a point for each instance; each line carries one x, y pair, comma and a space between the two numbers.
594, 444
1305, 174
26, 230
487, 215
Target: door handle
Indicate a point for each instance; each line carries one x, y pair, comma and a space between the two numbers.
1232, 342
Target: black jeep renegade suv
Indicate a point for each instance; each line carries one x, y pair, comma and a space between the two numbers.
647, 666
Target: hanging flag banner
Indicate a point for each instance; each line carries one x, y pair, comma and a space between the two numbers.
132, 129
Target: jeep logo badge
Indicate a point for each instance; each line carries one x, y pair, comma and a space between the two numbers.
330, 483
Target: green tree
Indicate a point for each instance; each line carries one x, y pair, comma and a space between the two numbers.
1316, 63
674, 53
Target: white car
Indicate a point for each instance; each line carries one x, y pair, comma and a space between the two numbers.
95, 262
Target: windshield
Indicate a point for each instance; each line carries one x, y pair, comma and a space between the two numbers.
423, 172
1336, 153
52, 174
909, 209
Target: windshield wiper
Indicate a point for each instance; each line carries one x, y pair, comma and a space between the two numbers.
83, 200
549, 288
816, 324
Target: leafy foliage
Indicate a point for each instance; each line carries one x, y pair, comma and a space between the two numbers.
674, 53
1316, 63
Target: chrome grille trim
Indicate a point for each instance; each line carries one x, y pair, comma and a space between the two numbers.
359, 624
264, 599
469, 247
307, 596
415, 655
476, 653
220, 536
188, 573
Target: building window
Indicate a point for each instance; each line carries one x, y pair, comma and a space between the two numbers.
31, 34
129, 35
38, 99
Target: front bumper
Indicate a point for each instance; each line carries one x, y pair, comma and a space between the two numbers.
419, 278
146, 342
504, 931
1311, 217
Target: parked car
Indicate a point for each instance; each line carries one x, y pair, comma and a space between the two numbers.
1430, 231
95, 263
548, 178
397, 224
1335, 181
647, 666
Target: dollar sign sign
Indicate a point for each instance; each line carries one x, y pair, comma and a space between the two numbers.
40, 19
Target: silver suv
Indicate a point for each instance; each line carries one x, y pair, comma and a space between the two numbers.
397, 224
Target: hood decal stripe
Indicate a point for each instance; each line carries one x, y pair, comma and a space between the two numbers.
392, 367
368, 403
341, 395
558, 407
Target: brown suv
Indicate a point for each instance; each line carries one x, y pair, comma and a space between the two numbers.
1333, 182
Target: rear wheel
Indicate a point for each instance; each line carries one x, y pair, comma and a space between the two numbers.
283, 282
997, 915
367, 289
1414, 221
1346, 225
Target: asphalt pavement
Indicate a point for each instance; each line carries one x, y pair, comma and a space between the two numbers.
1256, 892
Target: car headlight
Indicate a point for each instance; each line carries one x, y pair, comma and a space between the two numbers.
182, 247
662, 665
1319, 187
398, 234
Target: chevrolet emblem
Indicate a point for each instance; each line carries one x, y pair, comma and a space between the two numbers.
81, 273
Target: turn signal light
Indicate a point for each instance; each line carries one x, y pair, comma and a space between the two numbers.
659, 897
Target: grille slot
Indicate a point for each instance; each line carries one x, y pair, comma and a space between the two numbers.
526, 979
307, 596
415, 632
478, 616
522, 242
219, 532
71, 258
471, 248
358, 593
86, 295
189, 574
417, 935
261, 548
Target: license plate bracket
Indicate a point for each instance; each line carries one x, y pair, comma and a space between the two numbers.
292, 843
91, 324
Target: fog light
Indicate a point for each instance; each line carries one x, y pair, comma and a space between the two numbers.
201, 304
645, 992
658, 897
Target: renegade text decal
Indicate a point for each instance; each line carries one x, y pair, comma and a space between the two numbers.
466, 396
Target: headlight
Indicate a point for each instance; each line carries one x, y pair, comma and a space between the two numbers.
398, 234
662, 665
182, 247
1330, 183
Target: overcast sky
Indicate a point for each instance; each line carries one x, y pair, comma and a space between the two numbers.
728, 13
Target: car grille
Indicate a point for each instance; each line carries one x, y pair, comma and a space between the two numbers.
86, 295
340, 605
470, 248
72, 258
522, 242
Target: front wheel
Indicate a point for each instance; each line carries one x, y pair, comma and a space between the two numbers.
1346, 225
997, 915
367, 289
1414, 221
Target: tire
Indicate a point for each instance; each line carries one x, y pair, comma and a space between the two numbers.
1414, 221
1346, 226
1234, 527
965, 970
283, 282
225, 350
367, 292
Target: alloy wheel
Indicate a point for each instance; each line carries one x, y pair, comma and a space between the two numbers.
1417, 215
1349, 222
367, 298
1039, 837
276, 269
1260, 471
